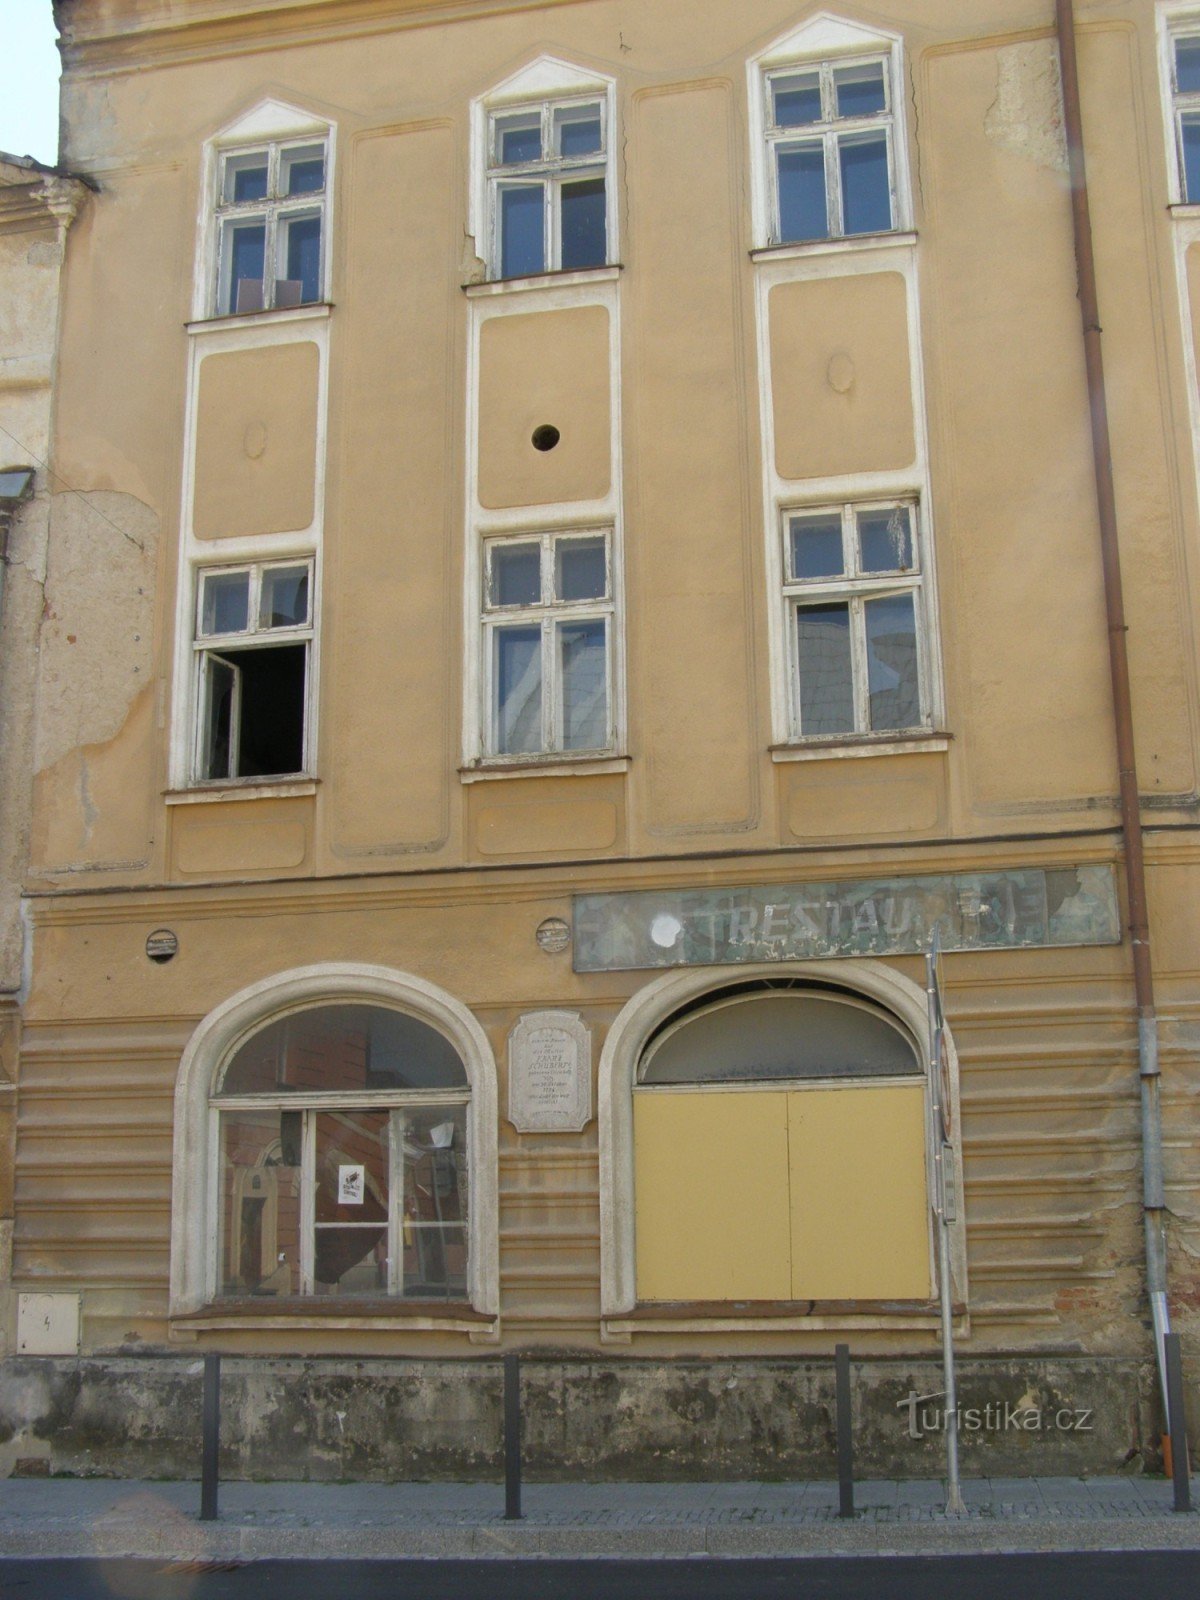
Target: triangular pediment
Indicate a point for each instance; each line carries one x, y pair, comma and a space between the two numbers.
548, 75
270, 119
825, 35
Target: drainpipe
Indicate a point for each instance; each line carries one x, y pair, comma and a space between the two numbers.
1153, 1197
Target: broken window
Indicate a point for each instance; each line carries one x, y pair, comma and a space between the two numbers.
270, 223
548, 188
343, 1159
253, 636
548, 618
829, 149
855, 606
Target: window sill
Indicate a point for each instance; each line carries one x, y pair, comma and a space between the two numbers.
250, 789
416, 1315
542, 280
778, 1316
842, 749
554, 766
318, 311
847, 245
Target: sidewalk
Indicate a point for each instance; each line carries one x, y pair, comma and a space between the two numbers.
107, 1517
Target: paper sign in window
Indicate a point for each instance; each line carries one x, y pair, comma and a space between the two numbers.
351, 1185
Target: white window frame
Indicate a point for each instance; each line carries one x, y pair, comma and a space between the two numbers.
269, 125
823, 44
856, 587
1176, 23
551, 173
544, 86
548, 614
210, 647
276, 211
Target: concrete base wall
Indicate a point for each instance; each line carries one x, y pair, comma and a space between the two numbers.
648, 1420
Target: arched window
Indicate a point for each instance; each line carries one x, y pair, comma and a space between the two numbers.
332, 1147
772, 1135
343, 1164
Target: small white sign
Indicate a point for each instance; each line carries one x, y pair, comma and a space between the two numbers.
351, 1184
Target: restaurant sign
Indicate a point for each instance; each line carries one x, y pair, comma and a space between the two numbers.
1024, 908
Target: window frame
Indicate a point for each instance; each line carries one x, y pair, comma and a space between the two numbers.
832, 131
550, 172
857, 588
549, 614
276, 211
208, 648
1179, 104
309, 1104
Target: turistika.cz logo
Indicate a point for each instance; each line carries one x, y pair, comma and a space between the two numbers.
996, 1416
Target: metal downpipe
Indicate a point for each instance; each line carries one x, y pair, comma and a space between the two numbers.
1153, 1197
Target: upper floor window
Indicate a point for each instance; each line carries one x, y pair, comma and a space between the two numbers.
1185, 90
855, 620
270, 213
829, 145
253, 636
548, 187
547, 619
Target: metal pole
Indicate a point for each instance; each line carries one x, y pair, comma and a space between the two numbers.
954, 1499
512, 1438
211, 1439
845, 1439
1178, 1423
1153, 1197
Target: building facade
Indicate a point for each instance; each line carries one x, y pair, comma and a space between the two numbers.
580, 561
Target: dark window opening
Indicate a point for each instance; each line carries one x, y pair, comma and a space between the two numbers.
256, 712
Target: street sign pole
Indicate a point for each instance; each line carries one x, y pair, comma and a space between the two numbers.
944, 1209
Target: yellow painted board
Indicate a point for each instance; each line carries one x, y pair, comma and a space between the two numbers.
711, 1176
860, 1225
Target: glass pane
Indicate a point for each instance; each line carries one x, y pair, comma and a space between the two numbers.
516, 574
584, 225
303, 172
259, 1220
344, 1047
351, 1173
885, 540
580, 569
284, 601
222, 688
577, 131
226, 607
518, 139
817, 546
1187, 65
518, 671
435, 1201
766, 1037
892, 684
303, 256
1190, 129
522, 246
860, 89
866, 199
796, 99
584, 685
246, 178
826, 685
802, 209
247, 253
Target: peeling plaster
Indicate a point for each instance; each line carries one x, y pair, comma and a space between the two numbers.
1026, 117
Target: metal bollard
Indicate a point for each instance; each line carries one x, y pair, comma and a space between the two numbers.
212, 1438
1178, 1423
512, 1438
845, 1439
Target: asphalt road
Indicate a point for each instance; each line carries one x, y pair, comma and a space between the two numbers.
1167, 1575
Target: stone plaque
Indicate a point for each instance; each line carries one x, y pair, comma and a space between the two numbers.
550, 1073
